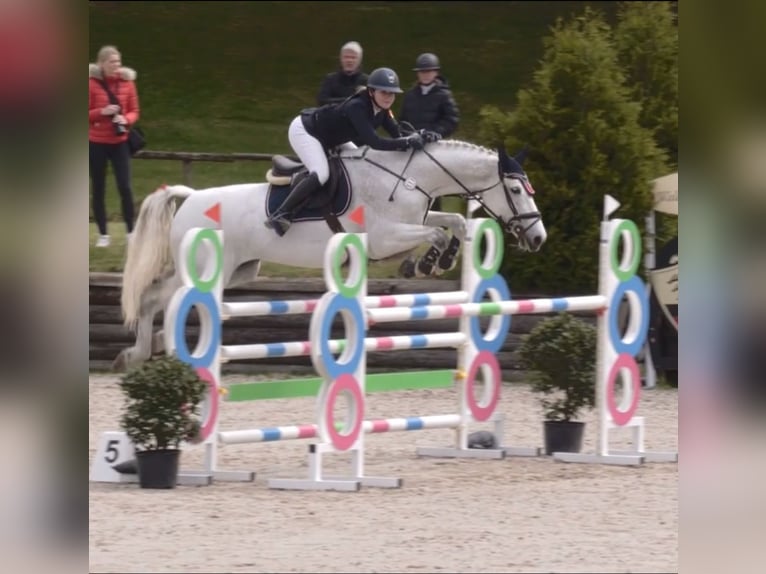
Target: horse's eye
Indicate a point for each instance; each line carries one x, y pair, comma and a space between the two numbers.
516, 189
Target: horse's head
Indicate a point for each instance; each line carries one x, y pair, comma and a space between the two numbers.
515, 210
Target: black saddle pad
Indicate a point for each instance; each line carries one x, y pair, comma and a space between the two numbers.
336, 193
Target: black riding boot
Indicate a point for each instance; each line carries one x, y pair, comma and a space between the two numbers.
281, 219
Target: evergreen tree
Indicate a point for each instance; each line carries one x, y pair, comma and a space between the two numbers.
646, 39
585, 141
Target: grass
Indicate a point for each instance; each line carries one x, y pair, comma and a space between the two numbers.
229, 76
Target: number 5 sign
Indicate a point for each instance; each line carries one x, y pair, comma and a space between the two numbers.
114, 448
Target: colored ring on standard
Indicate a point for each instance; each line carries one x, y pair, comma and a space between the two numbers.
633, 246
480, 412
357, 271
499, 324
345, 382
638, 307
623, 361
354, 337
208, 425
490, 230
191, 260
209, 328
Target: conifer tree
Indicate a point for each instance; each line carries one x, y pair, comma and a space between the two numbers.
582, 127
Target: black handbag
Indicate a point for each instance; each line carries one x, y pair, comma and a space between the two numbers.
136, 138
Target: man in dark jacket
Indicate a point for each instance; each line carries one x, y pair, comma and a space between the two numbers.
429, 104
337, 86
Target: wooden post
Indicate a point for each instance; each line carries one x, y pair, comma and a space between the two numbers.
186, 168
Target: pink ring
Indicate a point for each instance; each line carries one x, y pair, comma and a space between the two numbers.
621, 418
345, 382
482, 413
212, 417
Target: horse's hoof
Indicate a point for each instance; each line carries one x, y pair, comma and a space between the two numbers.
407, 268
158, 343
425, 268
120, 363
445, 263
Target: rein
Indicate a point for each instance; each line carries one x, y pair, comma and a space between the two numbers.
469, 194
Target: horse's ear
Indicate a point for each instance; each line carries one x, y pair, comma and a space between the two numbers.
505, 161
522, 155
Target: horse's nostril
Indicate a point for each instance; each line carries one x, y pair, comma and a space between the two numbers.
537, 240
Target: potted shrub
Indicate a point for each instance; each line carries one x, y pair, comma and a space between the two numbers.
560, 357
162, 398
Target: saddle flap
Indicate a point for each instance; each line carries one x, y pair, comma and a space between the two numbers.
334, 197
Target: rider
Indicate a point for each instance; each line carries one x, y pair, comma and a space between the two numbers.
316, 130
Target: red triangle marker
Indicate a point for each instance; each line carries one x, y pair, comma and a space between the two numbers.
357, 216
214, 213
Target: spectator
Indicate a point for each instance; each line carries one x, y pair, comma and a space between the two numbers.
337, 86
429, 104
109, 124
316, 130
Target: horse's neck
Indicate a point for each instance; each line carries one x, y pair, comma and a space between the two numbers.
454, 168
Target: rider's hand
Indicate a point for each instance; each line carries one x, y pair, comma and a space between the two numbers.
429, 137
414, 141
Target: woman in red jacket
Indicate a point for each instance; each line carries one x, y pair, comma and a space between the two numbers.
110, 117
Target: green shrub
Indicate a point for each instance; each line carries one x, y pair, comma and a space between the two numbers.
162, 399
560, 355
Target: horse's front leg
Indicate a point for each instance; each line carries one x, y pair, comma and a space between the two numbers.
395, 238
456, 223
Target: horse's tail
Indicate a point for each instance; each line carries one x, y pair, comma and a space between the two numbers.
149, 255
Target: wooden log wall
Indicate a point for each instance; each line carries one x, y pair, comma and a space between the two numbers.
108, 336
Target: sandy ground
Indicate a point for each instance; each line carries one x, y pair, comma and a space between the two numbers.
511, 515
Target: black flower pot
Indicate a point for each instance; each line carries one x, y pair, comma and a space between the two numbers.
563, 436
158, 468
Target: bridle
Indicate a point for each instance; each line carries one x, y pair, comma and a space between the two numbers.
514, 224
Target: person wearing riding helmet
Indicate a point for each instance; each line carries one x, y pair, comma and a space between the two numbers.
316, 130
429, 104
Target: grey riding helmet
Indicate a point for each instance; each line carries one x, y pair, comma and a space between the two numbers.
384, 79
426, 62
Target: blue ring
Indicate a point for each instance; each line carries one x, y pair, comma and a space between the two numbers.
333, 368
637, 286
191, 298
498, 283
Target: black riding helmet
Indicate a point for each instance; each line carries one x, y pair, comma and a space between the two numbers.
384, 79
426, 62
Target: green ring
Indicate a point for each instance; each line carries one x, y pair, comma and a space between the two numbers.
349, 291
191, 262
487, 272
630, 227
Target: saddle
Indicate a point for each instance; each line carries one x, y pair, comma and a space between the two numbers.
331, 201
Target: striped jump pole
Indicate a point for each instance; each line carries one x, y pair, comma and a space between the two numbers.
303, 348
299, 307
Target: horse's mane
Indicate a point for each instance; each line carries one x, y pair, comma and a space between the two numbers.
468, 145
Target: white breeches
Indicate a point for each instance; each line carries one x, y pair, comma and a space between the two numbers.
309, 150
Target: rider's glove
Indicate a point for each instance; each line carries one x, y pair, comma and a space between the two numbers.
414, 141
429, 137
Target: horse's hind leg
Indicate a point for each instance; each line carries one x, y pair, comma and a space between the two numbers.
152, 301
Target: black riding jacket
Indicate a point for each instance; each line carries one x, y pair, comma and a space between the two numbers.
338, 86
435, 111
353, 120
